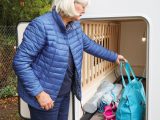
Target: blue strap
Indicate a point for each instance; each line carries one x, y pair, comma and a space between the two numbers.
121, 67
127, 73
114, 97
130, 70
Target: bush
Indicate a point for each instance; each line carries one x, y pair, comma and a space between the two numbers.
13, 12
8, 91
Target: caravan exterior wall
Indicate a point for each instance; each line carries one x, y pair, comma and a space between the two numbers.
148, 10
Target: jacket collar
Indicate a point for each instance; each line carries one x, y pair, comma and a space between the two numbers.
59, 21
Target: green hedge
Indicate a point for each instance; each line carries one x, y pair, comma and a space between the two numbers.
13, 12
8, 91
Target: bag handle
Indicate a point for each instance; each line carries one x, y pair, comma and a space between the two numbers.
130, 70
121, 71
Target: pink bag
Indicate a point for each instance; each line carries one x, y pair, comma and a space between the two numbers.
109, 112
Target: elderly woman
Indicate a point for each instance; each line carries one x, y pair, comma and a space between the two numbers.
48, 62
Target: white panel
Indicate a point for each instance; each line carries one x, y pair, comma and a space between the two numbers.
20, 29
24, 111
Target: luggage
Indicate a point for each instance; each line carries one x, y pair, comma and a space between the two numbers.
132, 103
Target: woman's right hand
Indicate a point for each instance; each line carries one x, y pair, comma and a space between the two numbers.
120, 58
45, 100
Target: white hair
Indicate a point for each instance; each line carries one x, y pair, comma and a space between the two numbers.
67, 7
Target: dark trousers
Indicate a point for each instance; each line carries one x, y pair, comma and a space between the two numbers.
59, 111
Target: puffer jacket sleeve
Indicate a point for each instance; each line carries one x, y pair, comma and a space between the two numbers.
97, 50
33, 41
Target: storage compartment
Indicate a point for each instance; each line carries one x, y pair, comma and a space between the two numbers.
128, 37
120, 35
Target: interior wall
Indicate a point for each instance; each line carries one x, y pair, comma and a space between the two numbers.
131, 45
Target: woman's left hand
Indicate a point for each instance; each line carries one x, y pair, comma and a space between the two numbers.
120, 58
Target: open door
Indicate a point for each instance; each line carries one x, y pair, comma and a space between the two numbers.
23, 107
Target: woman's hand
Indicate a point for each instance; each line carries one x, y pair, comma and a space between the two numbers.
120, 58
45, 100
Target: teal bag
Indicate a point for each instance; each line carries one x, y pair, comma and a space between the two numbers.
133, 102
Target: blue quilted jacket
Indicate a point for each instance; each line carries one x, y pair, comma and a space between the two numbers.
41, 59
